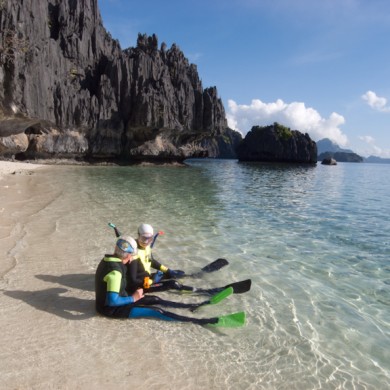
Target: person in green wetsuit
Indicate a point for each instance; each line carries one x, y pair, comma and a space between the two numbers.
112, 300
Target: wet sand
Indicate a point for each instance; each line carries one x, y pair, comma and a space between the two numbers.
50, 335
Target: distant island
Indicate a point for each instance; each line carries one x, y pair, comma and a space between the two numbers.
327, 149
378, 160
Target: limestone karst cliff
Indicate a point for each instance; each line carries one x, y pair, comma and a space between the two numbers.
67, 89
277, 143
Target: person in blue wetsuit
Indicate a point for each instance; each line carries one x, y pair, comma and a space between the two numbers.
110, 285
112, 300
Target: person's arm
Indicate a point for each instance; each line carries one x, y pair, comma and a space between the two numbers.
169, 272
113, 280
114, 299
135, 274
156, 264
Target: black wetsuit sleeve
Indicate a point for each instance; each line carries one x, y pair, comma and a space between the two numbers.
155, 264
135, 275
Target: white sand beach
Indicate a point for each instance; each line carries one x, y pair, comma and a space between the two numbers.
14, 167
51, 337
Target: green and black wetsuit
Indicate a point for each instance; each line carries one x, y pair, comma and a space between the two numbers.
110, 288
112, 299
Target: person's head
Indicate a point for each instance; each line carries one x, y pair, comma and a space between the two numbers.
145, 235
125, 248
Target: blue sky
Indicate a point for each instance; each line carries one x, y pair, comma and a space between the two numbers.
318, 66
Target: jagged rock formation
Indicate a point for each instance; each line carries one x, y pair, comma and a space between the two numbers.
67, 89
277, 143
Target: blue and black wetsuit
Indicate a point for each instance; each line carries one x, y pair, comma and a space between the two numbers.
112, 299
110, 288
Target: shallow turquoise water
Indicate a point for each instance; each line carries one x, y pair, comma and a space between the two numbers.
314, 240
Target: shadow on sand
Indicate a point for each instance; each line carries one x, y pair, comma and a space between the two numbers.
51, 301
84, 282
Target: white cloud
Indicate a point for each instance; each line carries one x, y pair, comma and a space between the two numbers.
371, 149
295, 115
376, 102
367, 139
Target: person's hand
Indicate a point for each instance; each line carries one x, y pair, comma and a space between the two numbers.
158, 276
138, 294
175, 273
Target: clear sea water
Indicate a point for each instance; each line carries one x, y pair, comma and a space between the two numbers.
315, 240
